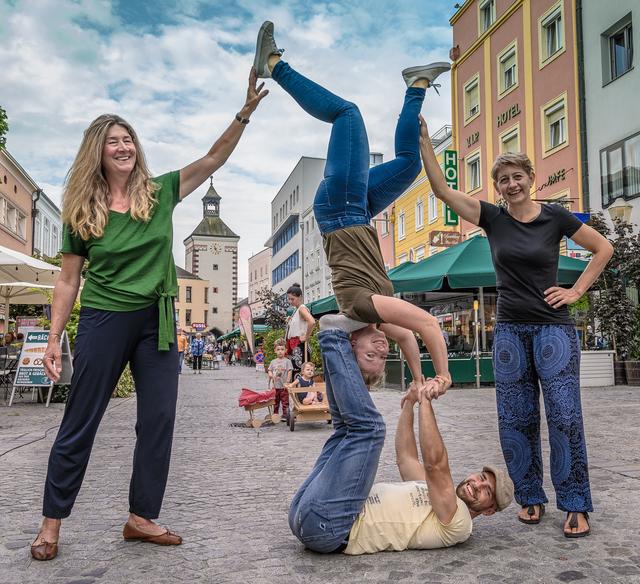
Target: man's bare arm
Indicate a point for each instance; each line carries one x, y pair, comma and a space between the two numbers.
406, 449
436, 464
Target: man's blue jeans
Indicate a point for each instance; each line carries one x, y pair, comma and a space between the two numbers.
328, 502
352, 193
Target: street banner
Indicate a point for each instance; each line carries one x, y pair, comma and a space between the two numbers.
246, 325
451, 176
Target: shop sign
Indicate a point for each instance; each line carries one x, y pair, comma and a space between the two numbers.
471, 140
504, 117
451, 176
444, 238
30, 369
554, 178
198, 326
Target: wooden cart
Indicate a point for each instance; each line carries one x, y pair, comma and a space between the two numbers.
298, 412
252, 400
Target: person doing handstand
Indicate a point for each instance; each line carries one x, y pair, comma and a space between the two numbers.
346, 200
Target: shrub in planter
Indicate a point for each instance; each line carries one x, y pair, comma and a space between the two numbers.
125, 386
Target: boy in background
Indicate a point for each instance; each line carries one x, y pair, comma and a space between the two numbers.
279, 373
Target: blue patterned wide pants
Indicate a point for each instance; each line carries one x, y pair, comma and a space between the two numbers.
525, 358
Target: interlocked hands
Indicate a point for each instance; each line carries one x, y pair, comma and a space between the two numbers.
428, 388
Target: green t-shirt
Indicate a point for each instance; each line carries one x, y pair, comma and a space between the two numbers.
131, 266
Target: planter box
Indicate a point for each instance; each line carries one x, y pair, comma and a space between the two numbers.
596, 369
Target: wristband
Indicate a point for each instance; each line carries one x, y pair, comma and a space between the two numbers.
242, 120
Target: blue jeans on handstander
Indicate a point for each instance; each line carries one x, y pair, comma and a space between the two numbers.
352, 193
328, 502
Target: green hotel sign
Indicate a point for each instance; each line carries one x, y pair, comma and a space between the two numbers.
451, 176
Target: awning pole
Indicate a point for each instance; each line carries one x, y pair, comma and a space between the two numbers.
477, 345
482, 318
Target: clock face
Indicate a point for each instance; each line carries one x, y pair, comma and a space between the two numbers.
215, 248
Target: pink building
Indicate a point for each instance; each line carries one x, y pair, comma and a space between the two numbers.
514, 79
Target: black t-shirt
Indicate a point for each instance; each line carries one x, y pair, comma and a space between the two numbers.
525, 257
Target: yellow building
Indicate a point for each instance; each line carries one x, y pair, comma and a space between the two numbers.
192, 303
420, 229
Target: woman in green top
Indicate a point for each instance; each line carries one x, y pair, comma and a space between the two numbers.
120, 218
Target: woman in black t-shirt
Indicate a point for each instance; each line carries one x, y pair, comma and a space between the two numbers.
535, 341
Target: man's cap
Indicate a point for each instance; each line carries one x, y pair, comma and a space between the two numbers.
504, 486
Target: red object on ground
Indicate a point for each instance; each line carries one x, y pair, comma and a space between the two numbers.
248, 397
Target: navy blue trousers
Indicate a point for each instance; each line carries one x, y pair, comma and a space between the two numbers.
525, 358
105, 343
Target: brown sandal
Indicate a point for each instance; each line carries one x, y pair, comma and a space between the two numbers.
531, 511
573, 523
45, 550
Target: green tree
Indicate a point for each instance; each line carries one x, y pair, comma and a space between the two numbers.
275, 306
4, 127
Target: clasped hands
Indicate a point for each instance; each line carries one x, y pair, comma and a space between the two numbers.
427, 389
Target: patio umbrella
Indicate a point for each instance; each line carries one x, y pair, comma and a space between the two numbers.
467, 265
23, 293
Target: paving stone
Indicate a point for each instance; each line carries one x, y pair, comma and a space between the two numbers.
230, 486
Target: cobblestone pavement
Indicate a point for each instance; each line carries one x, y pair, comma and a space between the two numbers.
230, 487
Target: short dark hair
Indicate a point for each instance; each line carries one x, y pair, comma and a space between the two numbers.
295, 289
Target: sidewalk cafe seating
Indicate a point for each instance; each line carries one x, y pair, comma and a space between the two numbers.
311, 412
252, 400
8, 365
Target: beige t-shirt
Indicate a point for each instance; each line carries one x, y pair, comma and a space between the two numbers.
399, 516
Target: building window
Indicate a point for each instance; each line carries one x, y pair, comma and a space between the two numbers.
617, 49
206, 319
206, 295
487, 14
555, 124
472, 99
214, 310
288, 266
188, 299
375, 158
55, 240
402, 258
384, 230
551, 33
419, 253
433, 208
473, 175
215, 266
620, 170
510, 140
507, 69
420, 213
284, 237
214, 290
401, 232
433, 250
187, 318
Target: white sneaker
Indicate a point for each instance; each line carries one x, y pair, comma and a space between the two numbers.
429, 72
265, 47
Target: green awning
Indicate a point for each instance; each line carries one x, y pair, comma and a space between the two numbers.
465, 265
257, 328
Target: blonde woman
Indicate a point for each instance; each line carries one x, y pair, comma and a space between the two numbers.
120, 219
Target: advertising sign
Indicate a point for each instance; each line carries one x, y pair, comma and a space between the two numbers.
451, 176
198, 326
444, 238
30, 370
246, 324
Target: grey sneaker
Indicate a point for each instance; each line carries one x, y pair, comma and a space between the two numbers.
265, 47
429, 72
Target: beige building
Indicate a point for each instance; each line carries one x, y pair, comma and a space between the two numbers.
192, 303
17, 192
211, 253
259, 277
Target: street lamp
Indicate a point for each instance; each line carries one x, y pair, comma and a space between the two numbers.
620, 210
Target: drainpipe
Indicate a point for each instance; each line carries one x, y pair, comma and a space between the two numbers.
584, 154
35, 197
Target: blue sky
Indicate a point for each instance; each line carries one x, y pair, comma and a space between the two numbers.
177, 69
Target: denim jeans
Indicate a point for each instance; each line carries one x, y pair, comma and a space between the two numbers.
328, 502
352, 193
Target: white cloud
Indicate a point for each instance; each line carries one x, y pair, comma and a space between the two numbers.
181, 85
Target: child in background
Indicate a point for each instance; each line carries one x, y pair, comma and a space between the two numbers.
305, 379
279, 373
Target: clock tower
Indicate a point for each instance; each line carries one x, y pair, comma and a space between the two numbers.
211, 253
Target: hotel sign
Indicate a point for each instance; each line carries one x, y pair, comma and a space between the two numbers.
451, 176
471, 140
504, 117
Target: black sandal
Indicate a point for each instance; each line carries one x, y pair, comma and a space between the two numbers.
531, 511
573, 522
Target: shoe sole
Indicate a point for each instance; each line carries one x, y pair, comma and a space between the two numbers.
257, 58
418, 68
